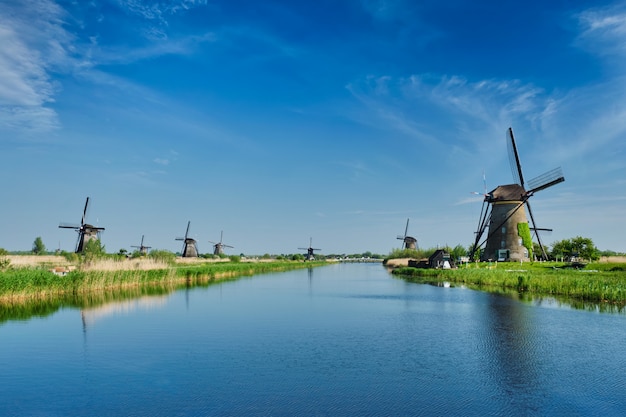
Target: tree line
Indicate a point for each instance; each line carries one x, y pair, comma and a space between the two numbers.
577, 247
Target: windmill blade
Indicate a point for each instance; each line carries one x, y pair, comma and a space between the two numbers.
227, 246
532, 219
77, 246
69, 226
187, 232
141, 244
85, 212
483, 220
406, 229
546, 180
516, 166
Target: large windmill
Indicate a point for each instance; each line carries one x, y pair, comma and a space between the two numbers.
408, 242
503, 214
141, 248
190, 250
309, 251
218, 247
86, 232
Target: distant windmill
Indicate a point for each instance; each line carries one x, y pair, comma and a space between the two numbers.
309, 251
142, 249
504, 215
408, 242
218, 247
190, 250
86, 232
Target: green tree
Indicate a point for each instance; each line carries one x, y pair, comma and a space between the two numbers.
38, 246
457, 252
580, 247
93, 249
162, 255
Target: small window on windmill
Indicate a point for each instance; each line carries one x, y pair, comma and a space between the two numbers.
503, 244
503, 229
520, 241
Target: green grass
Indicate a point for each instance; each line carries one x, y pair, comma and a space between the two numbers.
26, 283
599, 283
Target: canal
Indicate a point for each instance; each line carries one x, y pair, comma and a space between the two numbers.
338, 340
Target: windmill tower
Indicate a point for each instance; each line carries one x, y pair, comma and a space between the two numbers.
86, 232
408, 242
190, 250
504, 215
218, 247
141, 248
310, 256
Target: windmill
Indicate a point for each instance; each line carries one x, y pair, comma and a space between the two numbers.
142, 249
218, 246
86, 232
190, 250
310, 256
504, 215
408, 242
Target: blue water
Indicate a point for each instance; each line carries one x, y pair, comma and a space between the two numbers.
339, 340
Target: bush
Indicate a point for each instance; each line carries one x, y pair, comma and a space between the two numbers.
162, 256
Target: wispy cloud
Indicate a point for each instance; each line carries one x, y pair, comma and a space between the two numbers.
161, 161
33, 44
409, 105
120, 54
158, 13
603, 30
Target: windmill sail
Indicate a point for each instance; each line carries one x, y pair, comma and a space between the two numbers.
86, 232
506, 211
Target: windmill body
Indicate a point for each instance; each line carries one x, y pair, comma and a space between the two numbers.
141, 248
504, 214
507, 212
408, 242
190, 249
310, 251
218, 247
86, 232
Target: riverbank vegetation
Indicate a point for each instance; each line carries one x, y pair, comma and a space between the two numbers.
85, 275
597, 282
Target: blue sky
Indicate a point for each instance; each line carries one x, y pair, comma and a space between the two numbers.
280, 121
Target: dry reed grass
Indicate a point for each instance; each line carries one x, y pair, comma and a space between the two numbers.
137, 264
36, 260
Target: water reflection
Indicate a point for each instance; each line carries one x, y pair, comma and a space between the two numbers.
90, 315
510, 348
94, 304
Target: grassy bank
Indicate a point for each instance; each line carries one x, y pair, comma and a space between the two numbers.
600, 283
31, 283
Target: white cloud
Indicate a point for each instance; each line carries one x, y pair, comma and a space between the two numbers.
159, 13
478, 109
33, 44
603, 30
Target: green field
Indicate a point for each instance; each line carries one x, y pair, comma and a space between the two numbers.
35, 282
602, 283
